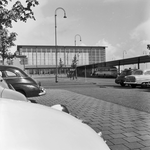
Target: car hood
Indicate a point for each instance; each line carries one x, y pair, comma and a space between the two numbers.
27, 126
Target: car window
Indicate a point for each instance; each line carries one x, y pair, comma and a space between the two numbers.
138, 72
11, 74
129, 72
123, 73
147, 72
21, 73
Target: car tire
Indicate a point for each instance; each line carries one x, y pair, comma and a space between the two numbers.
133, 85
143, 85
122, 84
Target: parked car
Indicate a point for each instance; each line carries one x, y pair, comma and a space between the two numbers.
138, 78
36, 127
121, 77
7, 91
21, 82
4, 84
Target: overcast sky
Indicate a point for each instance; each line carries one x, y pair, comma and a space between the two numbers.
122, 25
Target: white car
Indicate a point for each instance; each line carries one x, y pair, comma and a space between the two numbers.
7, 91
28, 126
138, 77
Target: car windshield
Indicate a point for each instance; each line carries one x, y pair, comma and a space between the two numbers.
125, 72
137, 72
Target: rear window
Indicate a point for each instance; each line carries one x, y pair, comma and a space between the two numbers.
16, 72
10, 74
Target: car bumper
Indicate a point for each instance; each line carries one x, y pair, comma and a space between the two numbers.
42, 92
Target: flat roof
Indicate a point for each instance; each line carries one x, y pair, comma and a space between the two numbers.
59, 46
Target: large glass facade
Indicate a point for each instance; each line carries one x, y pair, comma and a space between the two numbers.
45, 56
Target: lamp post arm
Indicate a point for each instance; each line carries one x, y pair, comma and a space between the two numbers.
75, 38
61, 9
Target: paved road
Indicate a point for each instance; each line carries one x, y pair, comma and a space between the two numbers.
123, 128
104, 89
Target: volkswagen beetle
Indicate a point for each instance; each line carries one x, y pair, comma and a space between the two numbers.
28, 126
21, 82
7, 91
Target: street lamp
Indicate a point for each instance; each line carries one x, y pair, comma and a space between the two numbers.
56, 39
75, 38
75, 51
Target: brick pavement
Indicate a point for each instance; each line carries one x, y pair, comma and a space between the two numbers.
123, 128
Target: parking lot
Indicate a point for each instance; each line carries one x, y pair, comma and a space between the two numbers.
122, 114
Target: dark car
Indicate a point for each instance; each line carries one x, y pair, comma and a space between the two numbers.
121, 78
21, 82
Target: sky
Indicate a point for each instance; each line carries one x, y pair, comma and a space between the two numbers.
121, 25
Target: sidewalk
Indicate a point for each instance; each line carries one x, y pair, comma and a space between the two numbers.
123, 128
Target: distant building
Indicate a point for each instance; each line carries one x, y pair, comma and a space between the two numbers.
18, 61
42, 59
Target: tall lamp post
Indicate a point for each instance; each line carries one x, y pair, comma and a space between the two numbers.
75, 50
56, 39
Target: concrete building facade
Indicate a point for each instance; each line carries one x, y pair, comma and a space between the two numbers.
42, 59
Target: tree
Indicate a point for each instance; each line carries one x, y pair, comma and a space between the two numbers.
74, 65
74, 62
18, 12
7, 40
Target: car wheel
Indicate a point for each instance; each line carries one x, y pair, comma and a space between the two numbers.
143, 85
122, 84
133, 85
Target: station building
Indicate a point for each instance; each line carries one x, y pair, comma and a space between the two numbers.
41, 59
